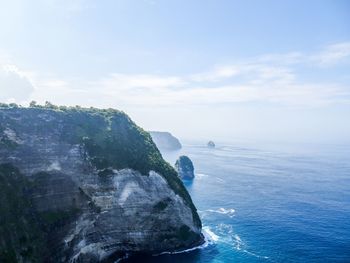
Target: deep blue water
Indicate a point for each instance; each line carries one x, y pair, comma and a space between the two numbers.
266, 205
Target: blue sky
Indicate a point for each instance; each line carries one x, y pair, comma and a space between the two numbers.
259, 70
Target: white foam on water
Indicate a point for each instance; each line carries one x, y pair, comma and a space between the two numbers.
255, 255
220, 180
229, 237
210, 235
209, 238
229, 211
239, 245
201, 175
238, 242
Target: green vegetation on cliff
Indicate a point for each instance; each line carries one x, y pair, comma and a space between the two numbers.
20, 236
25, 231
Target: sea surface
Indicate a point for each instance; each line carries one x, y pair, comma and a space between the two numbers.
260, 204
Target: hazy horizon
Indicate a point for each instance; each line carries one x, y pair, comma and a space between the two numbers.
198, 69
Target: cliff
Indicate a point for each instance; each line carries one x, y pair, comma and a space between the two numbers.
165, 141
86, 185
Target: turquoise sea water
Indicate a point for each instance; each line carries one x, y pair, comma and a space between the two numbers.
259, 204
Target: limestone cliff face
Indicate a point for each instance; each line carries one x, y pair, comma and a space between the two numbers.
90, 186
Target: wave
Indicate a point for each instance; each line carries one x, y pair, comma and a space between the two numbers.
209, 235
229, 237
199, 175
209, 238
223, 234
230, 211
254, 255
238, 242
220, 180
202, 176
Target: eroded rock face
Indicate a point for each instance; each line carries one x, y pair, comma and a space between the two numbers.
184, 167
136, 213
88, 208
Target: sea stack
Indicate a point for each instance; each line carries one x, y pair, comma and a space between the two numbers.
184, 167
211, 144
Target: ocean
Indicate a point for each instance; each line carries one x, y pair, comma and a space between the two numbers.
268, 203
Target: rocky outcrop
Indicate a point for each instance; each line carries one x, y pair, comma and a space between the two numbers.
88, 186
211, 144
184, 167
165, 141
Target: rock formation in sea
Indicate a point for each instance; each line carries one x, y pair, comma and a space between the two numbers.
165, 141
86, 185
211, 144
184, 167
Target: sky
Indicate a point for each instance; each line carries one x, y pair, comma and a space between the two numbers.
202, 69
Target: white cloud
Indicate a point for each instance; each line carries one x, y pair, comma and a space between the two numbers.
282, 59
330, 55
262, 83
217, 74
70, 6
268, 79
123, 81
333, 54
15, 85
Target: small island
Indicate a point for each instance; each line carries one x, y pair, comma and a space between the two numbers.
211, 144
184, 167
